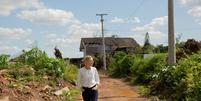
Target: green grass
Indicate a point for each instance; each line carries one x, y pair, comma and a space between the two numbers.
71, 94
144, 90
52, 83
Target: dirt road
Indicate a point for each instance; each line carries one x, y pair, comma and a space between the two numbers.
113, 89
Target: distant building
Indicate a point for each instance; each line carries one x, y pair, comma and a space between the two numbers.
13, 58
93, 46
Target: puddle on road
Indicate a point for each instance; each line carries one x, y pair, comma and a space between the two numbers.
127, 93
124, 92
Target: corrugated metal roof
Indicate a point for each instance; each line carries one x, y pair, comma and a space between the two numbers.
16, 55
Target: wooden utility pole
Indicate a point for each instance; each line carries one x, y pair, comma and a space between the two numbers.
104, 57
171, 33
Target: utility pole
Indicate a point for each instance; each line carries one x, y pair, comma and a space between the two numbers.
171, 34
85, 49
104, 57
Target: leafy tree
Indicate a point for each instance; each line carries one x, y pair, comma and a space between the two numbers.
164, 49
161, 49
178, 42
149, 49
138, 49
114, 36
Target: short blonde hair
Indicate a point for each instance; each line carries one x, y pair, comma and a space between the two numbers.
86, 58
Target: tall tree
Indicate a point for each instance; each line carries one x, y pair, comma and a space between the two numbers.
147, 48
146, 39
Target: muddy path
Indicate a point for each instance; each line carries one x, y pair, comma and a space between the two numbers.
113, 89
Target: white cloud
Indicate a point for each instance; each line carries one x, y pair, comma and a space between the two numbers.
136, 19
27, 41
50, 53
200, 23
67, 54
106, 35
159, 21
6, 6
117, 20
155, 22
191, 3
8, 50
4, 13
13, 34
196, 11
42, 32
49, 17
4, 42
197, 20
121, 20
150, 28
75, 33
62, 42
83, 30
27, 49
51, 36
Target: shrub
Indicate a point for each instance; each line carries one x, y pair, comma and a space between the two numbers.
114, 69
125, 64
52, 83
144, 90
42, 63
144, 71
29, 71
181, 81
3, 59
11, 85
70, 73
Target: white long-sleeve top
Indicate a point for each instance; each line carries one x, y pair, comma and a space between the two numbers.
88, 78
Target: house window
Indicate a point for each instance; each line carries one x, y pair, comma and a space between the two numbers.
124, 49
107, 47
94, 45
95, 54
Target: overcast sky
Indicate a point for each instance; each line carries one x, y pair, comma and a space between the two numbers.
63, 23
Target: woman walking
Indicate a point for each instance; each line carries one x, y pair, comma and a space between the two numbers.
88, 80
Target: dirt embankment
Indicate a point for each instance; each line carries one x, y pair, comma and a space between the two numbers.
190, 47
14, 90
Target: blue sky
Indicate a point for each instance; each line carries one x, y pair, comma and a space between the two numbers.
63, 23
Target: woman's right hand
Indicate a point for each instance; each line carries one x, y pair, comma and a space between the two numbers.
82, 89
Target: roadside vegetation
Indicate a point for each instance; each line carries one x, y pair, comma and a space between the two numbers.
36, 66
178, 82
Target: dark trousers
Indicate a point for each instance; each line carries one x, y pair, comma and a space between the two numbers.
90, 95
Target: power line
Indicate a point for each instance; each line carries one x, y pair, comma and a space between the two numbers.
130, 16
102, 8
128, 30
108, 4
163, 30
103, 5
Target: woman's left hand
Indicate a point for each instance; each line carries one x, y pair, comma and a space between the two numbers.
95, 88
